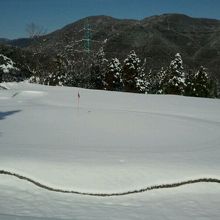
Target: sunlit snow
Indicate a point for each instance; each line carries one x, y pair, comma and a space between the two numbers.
106, 142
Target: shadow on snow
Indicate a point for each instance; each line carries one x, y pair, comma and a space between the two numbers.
3, 115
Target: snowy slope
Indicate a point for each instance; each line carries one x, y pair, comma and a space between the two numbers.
110, 142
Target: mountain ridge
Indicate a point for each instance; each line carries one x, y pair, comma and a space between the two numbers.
156, 38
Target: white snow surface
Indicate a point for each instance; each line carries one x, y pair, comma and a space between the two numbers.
109, 142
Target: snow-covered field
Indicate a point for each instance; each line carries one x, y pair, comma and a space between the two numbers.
108, 143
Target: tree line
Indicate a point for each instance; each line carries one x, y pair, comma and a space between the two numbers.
97, 72
130, 76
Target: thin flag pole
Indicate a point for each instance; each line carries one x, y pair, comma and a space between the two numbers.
78, 97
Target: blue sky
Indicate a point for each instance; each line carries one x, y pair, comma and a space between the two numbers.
54, 14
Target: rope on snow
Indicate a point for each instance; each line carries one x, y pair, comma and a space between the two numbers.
149, 188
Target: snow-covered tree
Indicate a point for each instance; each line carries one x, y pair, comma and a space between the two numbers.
55, 79
201, 83
8, 70
98, 70
113, 78
155, 81
161, 79
190, 83
133, 74
174, 82
35, 79
141, 79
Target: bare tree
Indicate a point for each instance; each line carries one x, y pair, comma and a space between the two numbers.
33, 30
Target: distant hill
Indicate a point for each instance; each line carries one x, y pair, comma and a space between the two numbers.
3, 40
21, 42
155, 38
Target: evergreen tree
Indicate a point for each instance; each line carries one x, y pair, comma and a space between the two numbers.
141, 79
8, 71
58, 76
174, 82
98, 70
202, 85
190, 84
216, 88
113, 79
199, 84
159, 81
150, 79
133, 75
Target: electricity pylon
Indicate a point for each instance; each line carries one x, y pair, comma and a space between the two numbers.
87, 37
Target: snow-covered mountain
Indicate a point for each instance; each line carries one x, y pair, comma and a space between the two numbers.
94, 142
